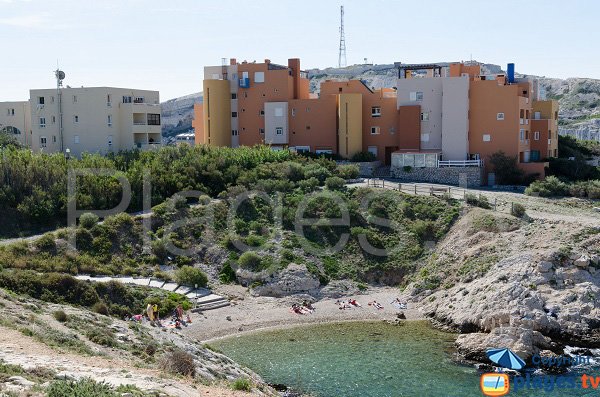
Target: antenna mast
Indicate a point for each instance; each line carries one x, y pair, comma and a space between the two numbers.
60, 76
342, 54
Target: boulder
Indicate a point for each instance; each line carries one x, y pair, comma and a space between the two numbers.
544, 266
20, 381
293, 280
583, 261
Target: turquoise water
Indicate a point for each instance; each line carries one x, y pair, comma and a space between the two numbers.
362, 360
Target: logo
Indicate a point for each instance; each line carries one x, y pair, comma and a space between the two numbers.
495, 384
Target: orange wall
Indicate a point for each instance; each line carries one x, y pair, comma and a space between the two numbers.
321, 118
198, 124
457, 69
409, 127
330, 87
387, 123
543, 126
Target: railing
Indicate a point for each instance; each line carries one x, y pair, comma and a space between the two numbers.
139, 123
460, 163
245, 82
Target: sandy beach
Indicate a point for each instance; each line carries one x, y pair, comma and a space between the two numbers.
248, 313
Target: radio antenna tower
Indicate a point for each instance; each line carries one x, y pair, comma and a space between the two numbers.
342, 54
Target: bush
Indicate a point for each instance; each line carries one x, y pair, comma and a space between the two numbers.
188, 275
349, 171
506, 169
101, 337
478, 201
250, 260
242, 384
88, 220
46, 243
159, 248
60, 316
227, 274
335, 183
549, 187
100, 308
82, 388
517, 210
363, 156
179, 363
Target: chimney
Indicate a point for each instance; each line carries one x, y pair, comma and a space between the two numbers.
267, 61
232, 61
294, 65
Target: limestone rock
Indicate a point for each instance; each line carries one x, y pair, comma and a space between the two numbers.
583, 261
295, 279
544, 266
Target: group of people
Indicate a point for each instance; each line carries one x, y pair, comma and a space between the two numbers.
305, 308
178, 317
349, 304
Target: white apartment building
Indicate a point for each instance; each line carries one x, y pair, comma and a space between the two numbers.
94, 119
15, 120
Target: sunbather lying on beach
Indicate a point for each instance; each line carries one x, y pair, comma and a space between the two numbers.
353, 302
376, 304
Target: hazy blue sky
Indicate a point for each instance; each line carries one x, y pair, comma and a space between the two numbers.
163, 45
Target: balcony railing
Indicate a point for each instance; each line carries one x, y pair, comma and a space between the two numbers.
139, 123
460, 163
245, 82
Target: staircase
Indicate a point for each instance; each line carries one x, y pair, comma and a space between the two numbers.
210, 302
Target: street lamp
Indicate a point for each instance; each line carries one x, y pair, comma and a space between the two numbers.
67, 153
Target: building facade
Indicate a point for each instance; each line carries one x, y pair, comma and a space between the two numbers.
94, 119
15, 120
437, 115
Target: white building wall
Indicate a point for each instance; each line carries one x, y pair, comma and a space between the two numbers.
16, 117
455, 118
85, 117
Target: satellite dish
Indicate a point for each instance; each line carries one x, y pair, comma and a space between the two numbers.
60, 75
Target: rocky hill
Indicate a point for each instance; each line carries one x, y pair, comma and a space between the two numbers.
579, 98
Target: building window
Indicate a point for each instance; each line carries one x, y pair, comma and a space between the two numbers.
42, 141
40, 100
10, 112
555, 115
323, 151
500, 116
375, 111
42, 122
340, 89
138, 99
233, 95
549, 134
416, 96
153, 119
425, 137
278, 131
487, 137
76, 119
308, 127
307, 110
53, 119
108, 100
261, 112
372, 150
234, 133
74, 98
374, 130
126, 99
302, 149
261, 130
259, 77
536, 136
109, 120
76, 139
53, 138
424, 116
522, 135
233, 114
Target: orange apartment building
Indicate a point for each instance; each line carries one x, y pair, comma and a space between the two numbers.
449, 115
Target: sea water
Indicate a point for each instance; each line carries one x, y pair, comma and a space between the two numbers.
363, 359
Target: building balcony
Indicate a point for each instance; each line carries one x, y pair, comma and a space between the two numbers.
144, 128
245, 82
148, 146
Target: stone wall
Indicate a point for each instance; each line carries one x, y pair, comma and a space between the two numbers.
472, 176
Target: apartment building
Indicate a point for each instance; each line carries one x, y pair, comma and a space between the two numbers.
437, 115
94, 119
15, 120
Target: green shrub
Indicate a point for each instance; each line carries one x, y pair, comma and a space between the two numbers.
46, 243
188, 275
549, 187
309, 185
60, 316
101, 336
88, 220
159, 248
100, 308
407, 168
242, 384
478, 201
82, 388
517, 210
348, 171
250, 260
227, 274
506, 168
335, 183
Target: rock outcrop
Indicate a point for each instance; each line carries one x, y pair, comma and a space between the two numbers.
295, 279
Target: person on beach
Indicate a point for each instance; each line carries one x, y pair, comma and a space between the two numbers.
179, 311
150, 313
155, 313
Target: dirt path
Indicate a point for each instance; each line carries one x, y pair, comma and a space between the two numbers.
17, 349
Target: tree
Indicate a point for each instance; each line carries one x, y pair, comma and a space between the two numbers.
189, 275
506, 169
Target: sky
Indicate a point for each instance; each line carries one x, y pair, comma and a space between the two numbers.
164, 45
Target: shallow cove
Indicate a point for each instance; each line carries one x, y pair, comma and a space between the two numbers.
361, 359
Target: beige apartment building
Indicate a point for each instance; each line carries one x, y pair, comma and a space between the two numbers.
15, 120
94, 119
